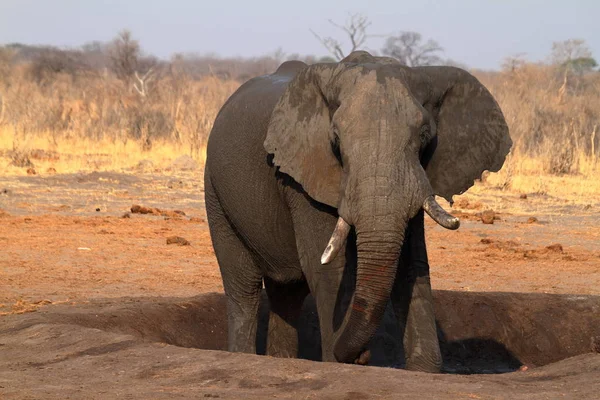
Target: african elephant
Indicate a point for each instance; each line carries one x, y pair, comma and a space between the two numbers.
358, 148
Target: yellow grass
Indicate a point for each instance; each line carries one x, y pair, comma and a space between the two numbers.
526, 175
84, 155
100, 123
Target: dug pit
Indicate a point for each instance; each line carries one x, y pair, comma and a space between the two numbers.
479, 332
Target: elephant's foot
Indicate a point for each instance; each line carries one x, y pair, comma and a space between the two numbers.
423, 363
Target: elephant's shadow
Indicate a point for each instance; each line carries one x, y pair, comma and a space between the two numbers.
466, 356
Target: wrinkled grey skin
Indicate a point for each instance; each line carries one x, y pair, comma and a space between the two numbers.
367, 140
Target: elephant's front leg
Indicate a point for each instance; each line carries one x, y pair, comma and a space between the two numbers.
413, 302
313, 227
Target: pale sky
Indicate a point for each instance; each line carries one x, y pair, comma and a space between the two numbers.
478, 33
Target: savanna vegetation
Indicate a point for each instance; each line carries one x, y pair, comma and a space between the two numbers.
110, 105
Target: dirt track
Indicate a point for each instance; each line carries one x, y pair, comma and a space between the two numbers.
66, 244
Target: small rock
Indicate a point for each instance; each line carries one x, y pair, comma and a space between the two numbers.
523, 368
486, 241
31, 171
178, 240
197, 220
137, 209
532, 220
556, 247
126, 215
51, 170
98, 209
488, 216
523, 196
5, 191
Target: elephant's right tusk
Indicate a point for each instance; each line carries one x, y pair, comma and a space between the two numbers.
338, 238
439, 215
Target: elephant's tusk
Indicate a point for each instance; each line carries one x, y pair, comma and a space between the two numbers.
439, 215
338, 238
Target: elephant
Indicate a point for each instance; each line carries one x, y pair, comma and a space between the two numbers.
317, 179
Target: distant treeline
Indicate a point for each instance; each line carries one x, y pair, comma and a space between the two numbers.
115, 91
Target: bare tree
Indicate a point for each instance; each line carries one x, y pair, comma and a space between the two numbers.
409, 49
513, 63
355, 29
130, 65
124, 53
141, 86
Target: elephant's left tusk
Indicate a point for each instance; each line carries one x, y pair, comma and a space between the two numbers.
439, 215
338, 238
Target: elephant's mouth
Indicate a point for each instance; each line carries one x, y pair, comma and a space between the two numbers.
342, 228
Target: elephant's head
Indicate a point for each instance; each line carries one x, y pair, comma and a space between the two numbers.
377, 140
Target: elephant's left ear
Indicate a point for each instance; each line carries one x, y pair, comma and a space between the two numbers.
472, 134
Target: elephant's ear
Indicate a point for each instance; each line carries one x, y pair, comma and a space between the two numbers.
472, 135
299, 138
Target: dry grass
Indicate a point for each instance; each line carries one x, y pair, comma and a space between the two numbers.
528, 175
553, 118
98, 122
83, 154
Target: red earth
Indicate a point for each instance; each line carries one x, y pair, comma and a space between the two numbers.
71, 246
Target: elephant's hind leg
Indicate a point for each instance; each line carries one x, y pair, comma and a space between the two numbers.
242, 278
285, 301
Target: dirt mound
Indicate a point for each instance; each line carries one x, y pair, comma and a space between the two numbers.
149, 348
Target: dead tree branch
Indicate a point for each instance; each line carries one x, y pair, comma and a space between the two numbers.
141, 86
355, 29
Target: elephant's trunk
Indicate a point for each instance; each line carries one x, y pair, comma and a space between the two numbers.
378, 253
379, 208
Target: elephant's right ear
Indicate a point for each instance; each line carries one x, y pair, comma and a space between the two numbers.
299, 135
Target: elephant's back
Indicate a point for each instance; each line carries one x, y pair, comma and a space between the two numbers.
241, 175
